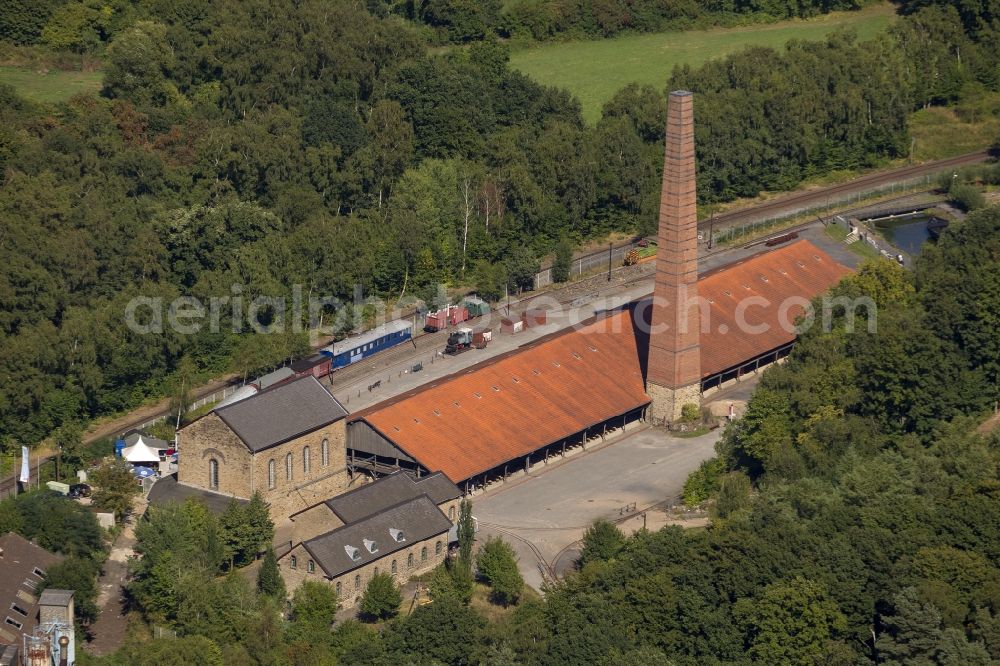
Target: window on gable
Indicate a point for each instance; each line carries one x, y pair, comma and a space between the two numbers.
213, 475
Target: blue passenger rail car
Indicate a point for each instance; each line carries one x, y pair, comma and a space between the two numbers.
352, 350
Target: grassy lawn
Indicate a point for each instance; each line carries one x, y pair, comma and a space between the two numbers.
595, 70
939, 132
491, 611
52, 86
839, 232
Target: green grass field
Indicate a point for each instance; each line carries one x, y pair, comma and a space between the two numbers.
52, 86
595, 70
941, 132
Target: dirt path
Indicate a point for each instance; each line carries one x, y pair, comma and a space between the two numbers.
108, 632
989, 425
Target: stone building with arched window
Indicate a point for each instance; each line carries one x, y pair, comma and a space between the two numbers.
267, 443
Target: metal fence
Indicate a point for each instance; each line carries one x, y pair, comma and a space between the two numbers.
200, 402
589, 264
740, 231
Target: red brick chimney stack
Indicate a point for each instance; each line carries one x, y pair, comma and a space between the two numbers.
674, 373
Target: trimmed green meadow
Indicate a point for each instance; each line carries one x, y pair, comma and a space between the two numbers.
52, 86
595, 70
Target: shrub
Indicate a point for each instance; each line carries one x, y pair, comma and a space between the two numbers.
497, 564
703, 482
966, 197
601, 541
690, 413
563, 261
734, 494
382, 597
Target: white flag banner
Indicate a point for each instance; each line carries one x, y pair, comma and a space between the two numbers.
25, 465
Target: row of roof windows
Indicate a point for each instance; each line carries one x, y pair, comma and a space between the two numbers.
372, 547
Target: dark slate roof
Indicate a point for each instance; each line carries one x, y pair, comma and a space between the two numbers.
389, 491
168, 490
282, 413
419, 519
51, 597
19, 584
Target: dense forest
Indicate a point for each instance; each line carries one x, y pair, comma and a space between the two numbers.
856, 519
267, 144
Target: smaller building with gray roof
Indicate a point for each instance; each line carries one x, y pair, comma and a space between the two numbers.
390, 490
399, 525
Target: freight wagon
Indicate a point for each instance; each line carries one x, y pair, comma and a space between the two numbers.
352, 350
442, 319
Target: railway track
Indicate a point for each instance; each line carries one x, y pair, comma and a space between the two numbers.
805, 199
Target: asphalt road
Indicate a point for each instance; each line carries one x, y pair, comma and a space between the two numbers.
547, 511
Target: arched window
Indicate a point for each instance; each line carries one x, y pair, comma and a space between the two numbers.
437, 548
272, 481
288, 467
423, 553
324, 452
293, 563
213, 474
451, 513
310, 566
306, 460
338, 588
409, 561
357, 582
393, 569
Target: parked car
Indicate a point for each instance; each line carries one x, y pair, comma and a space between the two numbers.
79, 490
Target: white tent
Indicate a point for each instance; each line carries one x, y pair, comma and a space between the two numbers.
140, 452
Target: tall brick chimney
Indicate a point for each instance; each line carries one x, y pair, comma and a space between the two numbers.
674, 372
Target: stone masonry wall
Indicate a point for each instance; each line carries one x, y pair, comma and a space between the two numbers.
305, 488
242, 473
667, 403
312, 522
210, 438
353, 583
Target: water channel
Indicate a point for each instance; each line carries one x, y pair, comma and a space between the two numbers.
909, 232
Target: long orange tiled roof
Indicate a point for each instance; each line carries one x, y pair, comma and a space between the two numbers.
516, 403
789, 275
508, 407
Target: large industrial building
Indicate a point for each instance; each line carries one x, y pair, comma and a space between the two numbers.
645, 360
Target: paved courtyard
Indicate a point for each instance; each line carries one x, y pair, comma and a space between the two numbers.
545, 513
